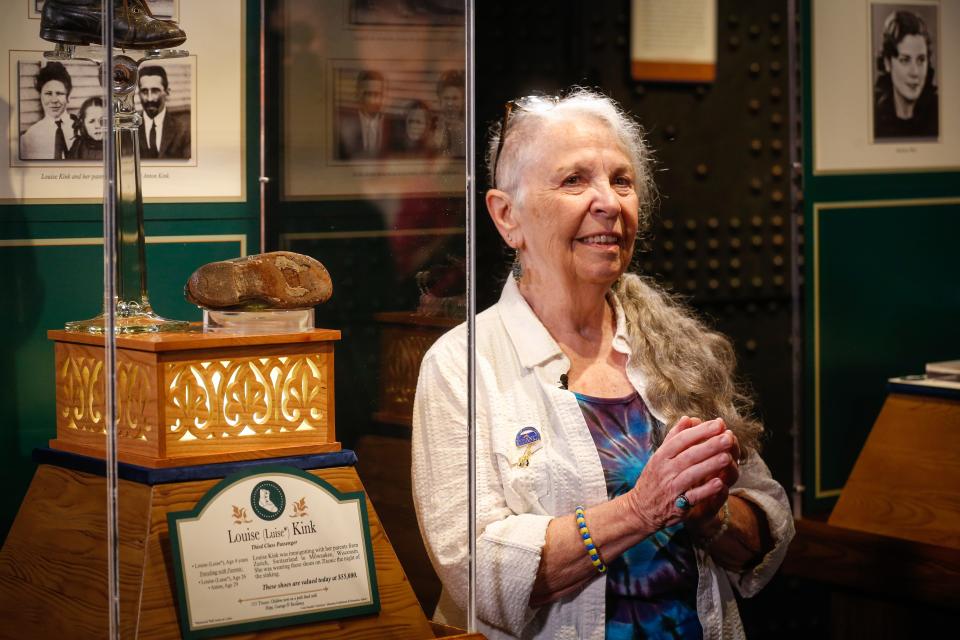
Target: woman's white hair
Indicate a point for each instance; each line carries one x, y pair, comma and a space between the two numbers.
689, 368
530, 115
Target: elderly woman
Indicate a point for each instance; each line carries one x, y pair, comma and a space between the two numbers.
905, 96
51, 137
621, 493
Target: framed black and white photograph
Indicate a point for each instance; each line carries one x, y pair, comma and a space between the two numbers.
166, 9
906, 103
378, 109
60, 112
436, 13
885, 86
191, 138
383, 115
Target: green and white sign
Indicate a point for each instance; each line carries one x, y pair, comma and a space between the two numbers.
272, 547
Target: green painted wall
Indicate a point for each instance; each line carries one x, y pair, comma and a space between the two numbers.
881, 296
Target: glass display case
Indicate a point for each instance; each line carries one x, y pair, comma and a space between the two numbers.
183, 429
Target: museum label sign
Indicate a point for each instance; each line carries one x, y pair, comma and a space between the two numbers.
272, 547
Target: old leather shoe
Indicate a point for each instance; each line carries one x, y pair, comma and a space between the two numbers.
276, 280
134, 27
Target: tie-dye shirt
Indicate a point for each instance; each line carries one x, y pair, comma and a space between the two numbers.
652, 587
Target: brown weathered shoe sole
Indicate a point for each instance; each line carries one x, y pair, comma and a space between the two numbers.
276, 280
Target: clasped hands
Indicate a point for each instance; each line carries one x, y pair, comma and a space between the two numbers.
697, 459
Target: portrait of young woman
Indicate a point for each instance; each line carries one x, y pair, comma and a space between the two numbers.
906, 103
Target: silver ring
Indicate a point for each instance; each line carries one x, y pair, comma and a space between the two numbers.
682, 502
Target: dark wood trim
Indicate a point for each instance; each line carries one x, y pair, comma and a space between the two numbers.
875, 564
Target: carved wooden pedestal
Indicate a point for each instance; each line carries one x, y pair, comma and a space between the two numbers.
385, 458
404, 339
197, 398
53, 567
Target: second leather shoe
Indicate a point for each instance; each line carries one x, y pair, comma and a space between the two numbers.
134, 27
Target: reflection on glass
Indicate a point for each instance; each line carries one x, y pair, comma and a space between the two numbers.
371, 139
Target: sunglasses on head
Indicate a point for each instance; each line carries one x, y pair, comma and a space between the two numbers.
519, 104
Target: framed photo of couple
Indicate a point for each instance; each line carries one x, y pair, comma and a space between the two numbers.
886, 86
379, 109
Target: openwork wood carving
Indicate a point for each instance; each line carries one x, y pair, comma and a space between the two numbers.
198, 404
222, 399
135, 392
80, 381
402, 353
81, 389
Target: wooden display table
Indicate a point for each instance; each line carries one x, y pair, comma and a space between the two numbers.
906, 481
881, 566
889, 555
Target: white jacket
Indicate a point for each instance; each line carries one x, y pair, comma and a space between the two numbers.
518, 370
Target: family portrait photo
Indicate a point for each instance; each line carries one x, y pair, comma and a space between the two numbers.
60, 111
904, 46
60, 107
164, 101
383, 114
378, 90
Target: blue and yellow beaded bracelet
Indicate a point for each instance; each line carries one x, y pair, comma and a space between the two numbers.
588, 541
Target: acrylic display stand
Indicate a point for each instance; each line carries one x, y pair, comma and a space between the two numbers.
134, 314
257, 322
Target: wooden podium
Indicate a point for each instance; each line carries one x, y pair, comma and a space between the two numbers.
906, 481
192, 409
888, 558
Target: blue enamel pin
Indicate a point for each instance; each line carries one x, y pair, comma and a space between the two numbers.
527, 437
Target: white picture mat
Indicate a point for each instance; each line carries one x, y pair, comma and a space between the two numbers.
216, 172
843, 94
674, 31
